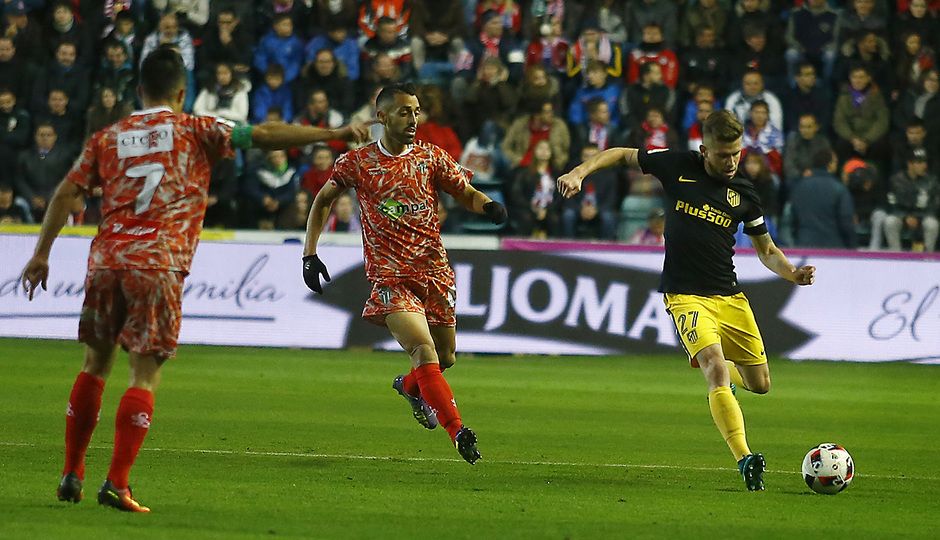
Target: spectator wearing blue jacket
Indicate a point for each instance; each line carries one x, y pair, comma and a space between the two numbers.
272, 94
822, 207
281, 46
344, 48
597, 86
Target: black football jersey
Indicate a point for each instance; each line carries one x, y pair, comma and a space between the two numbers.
702, 216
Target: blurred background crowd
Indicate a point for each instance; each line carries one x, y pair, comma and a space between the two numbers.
839, 99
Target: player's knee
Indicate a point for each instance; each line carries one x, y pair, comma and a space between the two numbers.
447, 358
423, 353
760, 386
710, 358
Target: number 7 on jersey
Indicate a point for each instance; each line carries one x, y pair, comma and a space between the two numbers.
153, 174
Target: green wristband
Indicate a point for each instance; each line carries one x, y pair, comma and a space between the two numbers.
241, 136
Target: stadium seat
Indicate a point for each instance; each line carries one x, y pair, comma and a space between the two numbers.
634, 211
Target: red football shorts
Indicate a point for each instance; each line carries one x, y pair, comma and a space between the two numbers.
434, 295
139, 309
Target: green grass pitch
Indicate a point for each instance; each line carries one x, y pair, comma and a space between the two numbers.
264, 443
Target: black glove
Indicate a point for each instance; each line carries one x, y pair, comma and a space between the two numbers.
495, 212
313, 269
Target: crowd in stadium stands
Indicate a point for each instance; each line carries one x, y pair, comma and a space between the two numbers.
839, 99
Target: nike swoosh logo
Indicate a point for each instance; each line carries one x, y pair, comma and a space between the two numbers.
684, 179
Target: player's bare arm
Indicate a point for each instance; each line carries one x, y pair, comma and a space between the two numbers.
777, 262
319, 212
281, 136
478, 202
36, 271
569, 184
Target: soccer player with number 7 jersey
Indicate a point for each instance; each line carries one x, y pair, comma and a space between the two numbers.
154, 169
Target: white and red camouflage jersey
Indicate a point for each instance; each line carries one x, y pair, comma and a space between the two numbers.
398, 196
154, 168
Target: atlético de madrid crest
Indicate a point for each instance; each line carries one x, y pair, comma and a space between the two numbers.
734, 199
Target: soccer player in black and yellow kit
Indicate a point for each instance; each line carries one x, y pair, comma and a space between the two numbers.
705, 202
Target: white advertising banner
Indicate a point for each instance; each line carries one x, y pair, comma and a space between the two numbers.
236, 294
575, 301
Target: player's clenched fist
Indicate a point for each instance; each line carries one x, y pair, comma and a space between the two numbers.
804, 275
569, 184
313, 269
495, 212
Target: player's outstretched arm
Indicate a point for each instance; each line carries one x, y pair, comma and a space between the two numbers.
319, 212
36, 271
570, 184
281, 136
777, 262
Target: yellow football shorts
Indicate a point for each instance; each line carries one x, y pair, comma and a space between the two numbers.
727, 320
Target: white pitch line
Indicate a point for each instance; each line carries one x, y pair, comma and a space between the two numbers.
354, 457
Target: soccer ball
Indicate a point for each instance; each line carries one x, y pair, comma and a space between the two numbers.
828, 469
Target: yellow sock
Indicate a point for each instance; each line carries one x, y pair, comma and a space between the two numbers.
730, 421
735, 374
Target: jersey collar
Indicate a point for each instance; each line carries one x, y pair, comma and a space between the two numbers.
385, 151
152, 110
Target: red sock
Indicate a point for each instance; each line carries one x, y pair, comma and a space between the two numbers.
130, 427
436, 392
81, 417
410, 384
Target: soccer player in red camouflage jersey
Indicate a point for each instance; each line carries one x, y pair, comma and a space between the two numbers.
413, 294
154, 170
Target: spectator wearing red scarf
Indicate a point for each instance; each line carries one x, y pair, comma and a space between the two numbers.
526, 131
551, 49
654, 133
